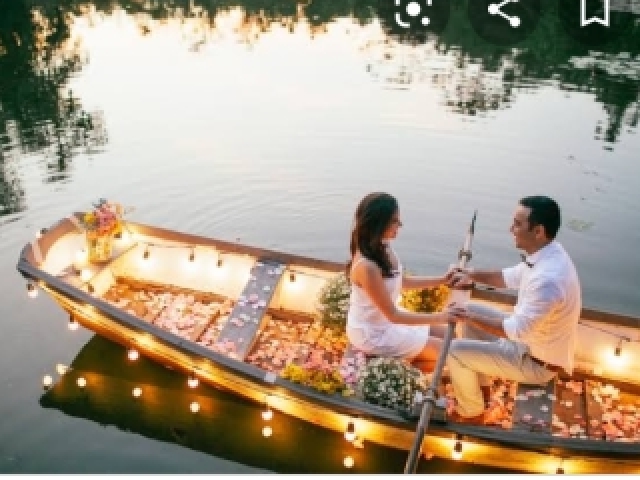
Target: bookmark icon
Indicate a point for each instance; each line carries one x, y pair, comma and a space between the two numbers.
584, 21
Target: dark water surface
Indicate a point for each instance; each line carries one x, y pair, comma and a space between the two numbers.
266, 122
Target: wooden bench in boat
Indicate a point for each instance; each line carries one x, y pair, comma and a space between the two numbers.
247, 315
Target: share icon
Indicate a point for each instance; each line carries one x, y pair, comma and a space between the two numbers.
494, 9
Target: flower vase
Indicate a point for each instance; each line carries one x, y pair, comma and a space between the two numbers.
99, 247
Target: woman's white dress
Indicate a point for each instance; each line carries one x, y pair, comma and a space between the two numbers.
370, 331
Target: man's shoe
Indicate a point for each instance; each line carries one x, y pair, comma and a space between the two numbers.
477, 420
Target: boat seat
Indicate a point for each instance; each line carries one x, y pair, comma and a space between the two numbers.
534, 406
238, 334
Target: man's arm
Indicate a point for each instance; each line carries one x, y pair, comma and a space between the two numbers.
467, 277
488, 319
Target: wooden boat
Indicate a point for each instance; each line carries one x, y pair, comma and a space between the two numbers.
242, 298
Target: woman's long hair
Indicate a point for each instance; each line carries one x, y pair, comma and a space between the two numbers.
373, 216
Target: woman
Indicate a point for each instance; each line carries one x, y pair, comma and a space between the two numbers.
375, 324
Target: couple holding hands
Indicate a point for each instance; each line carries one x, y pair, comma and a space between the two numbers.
531, 344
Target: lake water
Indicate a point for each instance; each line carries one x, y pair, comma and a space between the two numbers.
266, 122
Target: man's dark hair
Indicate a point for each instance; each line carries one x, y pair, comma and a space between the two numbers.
544, 211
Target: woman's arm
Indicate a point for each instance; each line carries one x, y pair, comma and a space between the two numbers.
368, 277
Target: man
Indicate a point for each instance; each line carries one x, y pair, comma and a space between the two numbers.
537, 340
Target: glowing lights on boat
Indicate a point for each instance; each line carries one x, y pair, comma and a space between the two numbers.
267, 414
82, 382
32, 290
194, 407
72, 325
47, 381
456, 453
85, 275
133, 354
136, 392
192, 381
267, 431
350, 432
348, 461
61, 369
80, 260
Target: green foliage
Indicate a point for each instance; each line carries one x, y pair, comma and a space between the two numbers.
333, 303
426, 300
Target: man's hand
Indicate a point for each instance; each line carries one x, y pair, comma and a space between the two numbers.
461, 280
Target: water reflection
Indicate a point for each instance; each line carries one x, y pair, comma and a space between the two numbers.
37, 114
224, 426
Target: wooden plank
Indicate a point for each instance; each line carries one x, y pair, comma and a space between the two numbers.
533, 407
201, 327
239, 333
570, 413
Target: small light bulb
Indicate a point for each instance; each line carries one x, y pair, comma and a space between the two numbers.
267, 414
32, 290
194, 407
82, 382
193, 381
61, 369
133, 354
267, 431
348, 461
85, 274
456, 453
73, 325
137, 392
350, 433
47, 380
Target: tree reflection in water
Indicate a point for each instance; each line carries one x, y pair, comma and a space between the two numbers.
38, 56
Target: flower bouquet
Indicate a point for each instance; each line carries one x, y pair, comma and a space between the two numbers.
333, 303
391, 383
101, 225
316, 373
425, 300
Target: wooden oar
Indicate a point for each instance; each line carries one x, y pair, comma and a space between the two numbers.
457, 296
